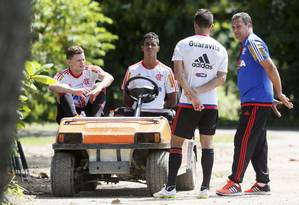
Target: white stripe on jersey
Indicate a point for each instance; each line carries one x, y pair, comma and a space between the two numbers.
256, 50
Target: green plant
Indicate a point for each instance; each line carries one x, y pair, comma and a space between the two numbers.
12, 189
33, 74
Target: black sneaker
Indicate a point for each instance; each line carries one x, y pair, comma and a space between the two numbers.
258, 190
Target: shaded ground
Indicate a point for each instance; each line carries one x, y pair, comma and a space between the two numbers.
283, 164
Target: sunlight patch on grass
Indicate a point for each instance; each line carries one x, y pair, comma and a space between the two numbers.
219, 174
37, 140
223, 138
43, 126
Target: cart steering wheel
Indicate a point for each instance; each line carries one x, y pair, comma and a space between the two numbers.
141, 93
147, 93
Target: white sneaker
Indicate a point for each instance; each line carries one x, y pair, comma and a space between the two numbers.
204, 194
165, 194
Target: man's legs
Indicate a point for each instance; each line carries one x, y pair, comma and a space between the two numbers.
174, 163
259, 159
259, 162
241, 137
207, 127
207, 160
175, 160
96, 108
65, 107
246, 141
182, 129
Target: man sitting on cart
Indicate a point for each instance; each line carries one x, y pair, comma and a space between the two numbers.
80, 87
150, 67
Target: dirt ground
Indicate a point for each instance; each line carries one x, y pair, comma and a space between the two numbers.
283, 165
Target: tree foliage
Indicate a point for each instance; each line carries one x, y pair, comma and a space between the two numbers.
33, 74
274, 20
281, 33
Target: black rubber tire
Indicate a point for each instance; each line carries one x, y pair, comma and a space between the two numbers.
63, 181
187, 181
156, 170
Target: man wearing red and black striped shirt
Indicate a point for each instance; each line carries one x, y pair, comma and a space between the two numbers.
80, 87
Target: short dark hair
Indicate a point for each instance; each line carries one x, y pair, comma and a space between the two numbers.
244, 16
73, 50
150, 35
203, 18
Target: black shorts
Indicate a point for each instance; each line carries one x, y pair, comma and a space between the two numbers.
187, 119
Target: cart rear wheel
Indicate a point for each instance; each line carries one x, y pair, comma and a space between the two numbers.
156, 170
188, 181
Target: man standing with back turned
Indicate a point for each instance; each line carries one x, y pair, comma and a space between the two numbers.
257, 75
200, 65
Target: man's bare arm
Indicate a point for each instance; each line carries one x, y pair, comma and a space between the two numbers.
273, 74
217, 81
171, 100
107, 79
127, 100
64, 88
179, 73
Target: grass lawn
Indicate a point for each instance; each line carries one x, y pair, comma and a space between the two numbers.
41, 126
35, 141
223, 138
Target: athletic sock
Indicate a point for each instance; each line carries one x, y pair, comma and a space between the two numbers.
207, 161
175, 160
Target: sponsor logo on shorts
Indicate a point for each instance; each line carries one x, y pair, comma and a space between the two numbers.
201, 75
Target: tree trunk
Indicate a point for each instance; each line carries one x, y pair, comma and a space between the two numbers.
15, 18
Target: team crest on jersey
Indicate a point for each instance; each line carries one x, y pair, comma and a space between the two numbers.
86, 81
159, 76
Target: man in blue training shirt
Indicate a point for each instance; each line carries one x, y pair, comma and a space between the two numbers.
257, 75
